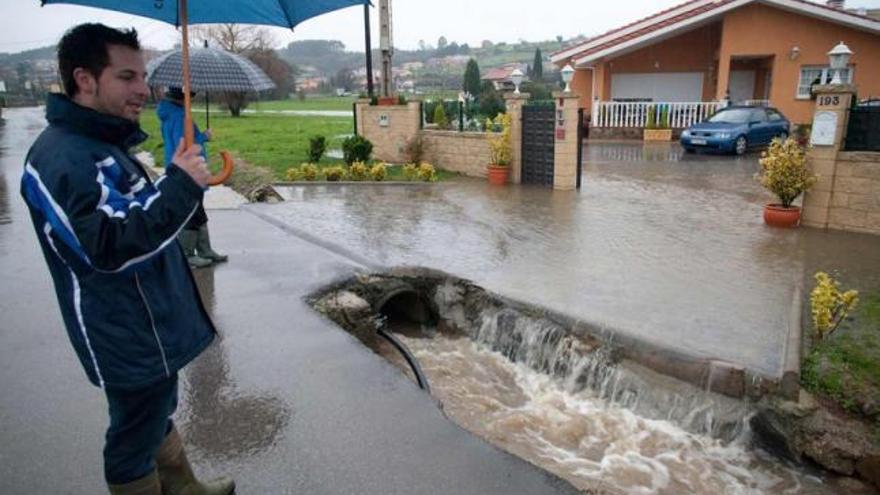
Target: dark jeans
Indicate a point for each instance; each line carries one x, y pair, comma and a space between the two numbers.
139, 421
198, 219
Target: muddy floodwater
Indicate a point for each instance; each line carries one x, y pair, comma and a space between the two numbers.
667, 247
588, 441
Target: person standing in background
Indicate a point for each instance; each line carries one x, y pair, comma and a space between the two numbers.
194, 237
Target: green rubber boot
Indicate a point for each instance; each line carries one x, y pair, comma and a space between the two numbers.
203, 247
188, 240
148, 485
177, 476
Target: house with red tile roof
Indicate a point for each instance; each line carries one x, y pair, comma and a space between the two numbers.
693, 55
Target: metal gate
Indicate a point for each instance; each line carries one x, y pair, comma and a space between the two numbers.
538, 143
863, 130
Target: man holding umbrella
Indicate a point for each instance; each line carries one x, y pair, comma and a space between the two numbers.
194, 237
129, 302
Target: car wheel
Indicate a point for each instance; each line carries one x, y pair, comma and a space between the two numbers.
689, 150
741, 145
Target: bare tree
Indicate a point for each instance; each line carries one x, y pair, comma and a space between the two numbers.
235, 38
244, 39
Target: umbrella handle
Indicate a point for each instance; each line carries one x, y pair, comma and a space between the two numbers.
224, 174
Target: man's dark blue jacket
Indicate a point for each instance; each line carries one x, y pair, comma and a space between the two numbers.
127, 296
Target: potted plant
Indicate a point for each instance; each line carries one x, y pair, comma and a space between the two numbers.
500, 150
784, 173
657, 129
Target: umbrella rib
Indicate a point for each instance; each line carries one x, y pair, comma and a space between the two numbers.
286, 14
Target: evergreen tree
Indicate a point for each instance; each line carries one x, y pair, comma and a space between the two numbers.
538, 66
472, 78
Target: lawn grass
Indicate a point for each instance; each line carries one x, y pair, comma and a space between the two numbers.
310, 103
273, 142
845, 367
276, 142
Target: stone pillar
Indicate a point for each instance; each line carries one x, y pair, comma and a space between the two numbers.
567, 142
360, 105
514, 104
826, 139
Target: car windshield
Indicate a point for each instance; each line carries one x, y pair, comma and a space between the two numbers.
732, 116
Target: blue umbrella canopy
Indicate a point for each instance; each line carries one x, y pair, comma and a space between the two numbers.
284, 13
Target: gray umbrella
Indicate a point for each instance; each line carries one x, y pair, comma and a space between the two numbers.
210, 70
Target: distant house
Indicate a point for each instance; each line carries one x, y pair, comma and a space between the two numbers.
310, 83
500, 76
761, 51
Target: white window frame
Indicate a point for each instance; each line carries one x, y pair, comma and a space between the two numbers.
802, 92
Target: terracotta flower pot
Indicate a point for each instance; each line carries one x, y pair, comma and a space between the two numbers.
777, 215
386, 101
498, 175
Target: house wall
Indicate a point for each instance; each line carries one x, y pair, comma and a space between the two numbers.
693, 51
759, 30
582, 84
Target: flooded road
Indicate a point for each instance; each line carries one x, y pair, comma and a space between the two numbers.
668, 247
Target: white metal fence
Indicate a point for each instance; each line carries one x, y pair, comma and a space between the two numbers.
635, 114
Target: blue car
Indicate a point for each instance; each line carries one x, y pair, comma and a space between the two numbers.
736, 129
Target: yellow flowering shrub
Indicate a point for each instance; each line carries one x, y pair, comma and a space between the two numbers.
829, 305
358, 171
427, 173
500, 148
784, 170
410, 171
308, 171
379, 171
292, 174
334, 174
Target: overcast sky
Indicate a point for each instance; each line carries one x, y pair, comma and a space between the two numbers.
24, 24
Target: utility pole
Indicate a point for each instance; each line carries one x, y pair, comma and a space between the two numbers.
386, 44
369, 49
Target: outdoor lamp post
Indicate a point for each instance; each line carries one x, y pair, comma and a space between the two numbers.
838, 58
516, 76
567, 75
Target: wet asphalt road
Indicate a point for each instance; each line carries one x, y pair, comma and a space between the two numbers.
286, 401
664, 246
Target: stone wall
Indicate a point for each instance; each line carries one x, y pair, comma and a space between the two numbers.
388, 127
463, 152
854, 200
847, 194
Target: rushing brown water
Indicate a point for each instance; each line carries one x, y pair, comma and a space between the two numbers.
594, 444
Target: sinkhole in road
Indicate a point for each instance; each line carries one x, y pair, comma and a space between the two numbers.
558, 394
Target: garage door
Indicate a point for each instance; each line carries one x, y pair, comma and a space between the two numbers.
658, 86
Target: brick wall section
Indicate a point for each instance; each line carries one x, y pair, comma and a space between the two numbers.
855, 198
463, 152
388, 142
847, 193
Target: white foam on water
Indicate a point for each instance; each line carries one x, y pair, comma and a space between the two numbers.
592, 442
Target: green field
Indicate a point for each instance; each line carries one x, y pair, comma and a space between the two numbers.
310, 103
276, 142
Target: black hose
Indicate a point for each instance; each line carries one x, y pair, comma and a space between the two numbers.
417, 370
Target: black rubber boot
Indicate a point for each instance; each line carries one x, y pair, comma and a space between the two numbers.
188, 240
203, 247
148, 485
177, 476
